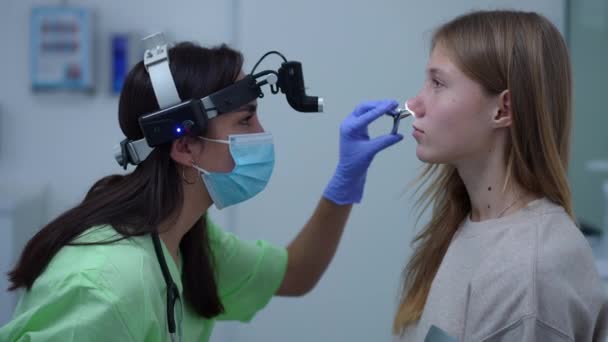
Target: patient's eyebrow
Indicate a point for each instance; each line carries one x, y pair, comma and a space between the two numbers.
435, 71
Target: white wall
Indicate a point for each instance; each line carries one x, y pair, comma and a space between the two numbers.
350, 50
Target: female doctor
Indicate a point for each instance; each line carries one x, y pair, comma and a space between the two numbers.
139, 260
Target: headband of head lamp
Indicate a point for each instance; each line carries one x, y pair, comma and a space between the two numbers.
177, 118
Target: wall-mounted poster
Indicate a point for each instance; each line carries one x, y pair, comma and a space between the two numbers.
61, 48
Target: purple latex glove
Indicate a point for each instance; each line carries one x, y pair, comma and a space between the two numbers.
357, 151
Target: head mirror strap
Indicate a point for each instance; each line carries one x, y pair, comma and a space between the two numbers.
138, 150
237, 94
156, 61
131, 152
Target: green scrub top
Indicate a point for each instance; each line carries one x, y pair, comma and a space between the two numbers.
116, 292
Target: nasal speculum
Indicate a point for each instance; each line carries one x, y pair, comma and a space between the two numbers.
398, 114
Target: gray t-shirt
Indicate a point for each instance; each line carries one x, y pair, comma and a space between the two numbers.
528, 276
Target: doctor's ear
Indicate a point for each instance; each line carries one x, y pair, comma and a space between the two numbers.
503, 116
184, 150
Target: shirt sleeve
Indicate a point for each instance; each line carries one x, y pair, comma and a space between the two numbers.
78, 310
248, 273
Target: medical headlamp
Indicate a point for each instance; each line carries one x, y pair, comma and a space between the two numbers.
177, 118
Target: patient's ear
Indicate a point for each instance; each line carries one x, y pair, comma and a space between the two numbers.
503, 115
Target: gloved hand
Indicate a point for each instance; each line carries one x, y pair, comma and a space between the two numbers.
357, 151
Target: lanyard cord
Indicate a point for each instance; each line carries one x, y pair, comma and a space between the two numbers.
172, 291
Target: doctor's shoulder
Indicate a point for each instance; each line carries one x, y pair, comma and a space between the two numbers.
100, 285
101, 259
110, 260
123, 264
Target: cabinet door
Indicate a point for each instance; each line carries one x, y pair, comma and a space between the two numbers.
587, 34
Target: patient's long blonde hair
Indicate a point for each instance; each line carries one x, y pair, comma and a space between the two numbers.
524, 53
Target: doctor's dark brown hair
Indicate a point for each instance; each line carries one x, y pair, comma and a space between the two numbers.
136, 203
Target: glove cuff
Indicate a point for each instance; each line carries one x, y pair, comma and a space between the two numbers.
342, 190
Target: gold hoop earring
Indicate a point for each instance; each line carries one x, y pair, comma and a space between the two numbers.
184, 177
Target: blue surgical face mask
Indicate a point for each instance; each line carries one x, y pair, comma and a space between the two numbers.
253, 156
